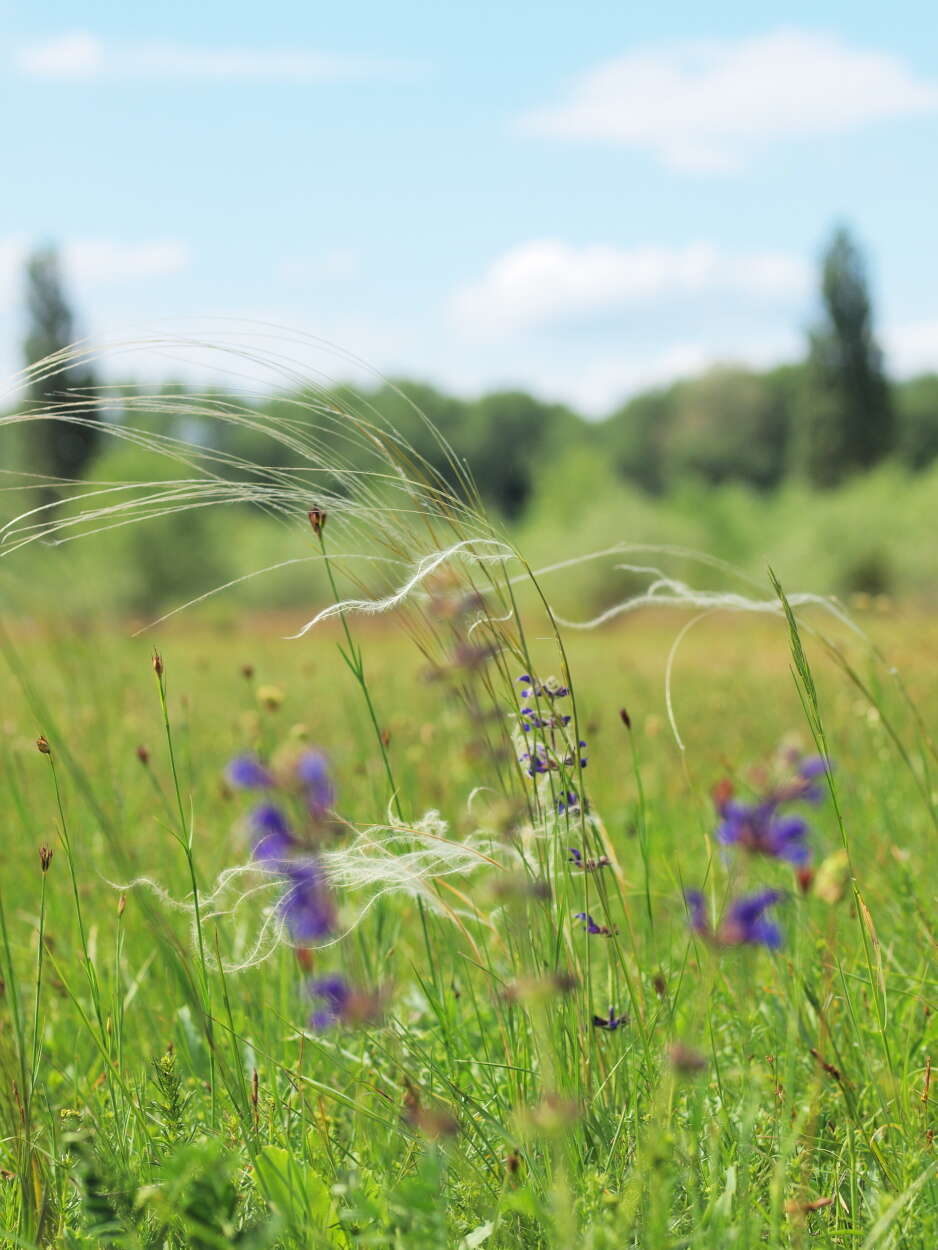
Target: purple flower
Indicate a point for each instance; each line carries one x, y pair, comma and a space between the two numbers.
745, 922
761, 829
312, 771
248, 773
306, 905
569, 802
698, 915
335, 993
809, 770
271, 835
588, 865
610, 1022
591, 926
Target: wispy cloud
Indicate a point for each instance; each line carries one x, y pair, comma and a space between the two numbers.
80, 56
707, 106
546, 280
93, 262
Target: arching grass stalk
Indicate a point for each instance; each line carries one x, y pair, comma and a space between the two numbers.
352, 655
45, 858
90, 973
184, 838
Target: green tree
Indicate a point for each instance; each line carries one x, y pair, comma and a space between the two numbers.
846, 419
729, 424
636, 435
56, 448
917, 412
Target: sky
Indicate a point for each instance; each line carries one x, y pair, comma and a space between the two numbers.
582, 200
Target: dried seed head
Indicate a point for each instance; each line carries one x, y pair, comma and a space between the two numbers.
157, 664
45, 857
247, 671
317, 519
270, 697
625, 718
121, 906
143, 755
42, 745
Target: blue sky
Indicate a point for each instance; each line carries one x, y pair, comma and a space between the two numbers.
579, 199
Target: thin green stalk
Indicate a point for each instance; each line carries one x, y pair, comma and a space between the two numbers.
184, 838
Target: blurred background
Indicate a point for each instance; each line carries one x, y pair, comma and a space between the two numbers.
661, 275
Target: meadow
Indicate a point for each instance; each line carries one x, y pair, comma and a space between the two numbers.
455, 925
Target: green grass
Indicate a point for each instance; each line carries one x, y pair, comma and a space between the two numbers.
150, 1099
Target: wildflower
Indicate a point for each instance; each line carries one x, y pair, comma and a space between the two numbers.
248, 773
569, 801
549, 689
45, 857
143, 755
761, 829
306, 905
743, 924
610, 1022
809, 769
157, 664
42, 745
591, 926
745, 921
588, 865
335, 993
271, 834
317, 519
312, 771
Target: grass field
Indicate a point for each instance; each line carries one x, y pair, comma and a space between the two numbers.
460, 1092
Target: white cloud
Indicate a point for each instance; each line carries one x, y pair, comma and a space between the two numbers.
107, 260
707, 105
546, 280
912, 348
81, 57
92, 262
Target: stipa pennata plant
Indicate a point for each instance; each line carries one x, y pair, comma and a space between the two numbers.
487, 994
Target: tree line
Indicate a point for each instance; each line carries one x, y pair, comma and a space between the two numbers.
830, 416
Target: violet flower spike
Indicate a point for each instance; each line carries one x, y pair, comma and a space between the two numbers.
745, 923
248, 773
335, 992
306, 906
760, 829
312, 771
271, 836
591, 926
610, 1022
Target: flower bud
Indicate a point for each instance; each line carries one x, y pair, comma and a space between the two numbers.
42, 745
317, 519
